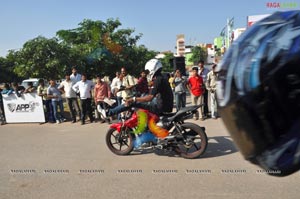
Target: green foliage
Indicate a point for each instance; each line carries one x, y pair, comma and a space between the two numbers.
94, 47
104, 49
137, 59
42, 57
199, 53
166, 62
218, 52
6, 70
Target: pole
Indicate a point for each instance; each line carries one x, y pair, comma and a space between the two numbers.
228, 34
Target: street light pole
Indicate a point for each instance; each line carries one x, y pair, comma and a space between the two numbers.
228, 33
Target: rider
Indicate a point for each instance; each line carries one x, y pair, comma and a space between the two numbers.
259, 93
160, 96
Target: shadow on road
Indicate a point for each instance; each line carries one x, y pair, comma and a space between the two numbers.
219, 146
156, 152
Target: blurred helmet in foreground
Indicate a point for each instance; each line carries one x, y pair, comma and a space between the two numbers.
259, 93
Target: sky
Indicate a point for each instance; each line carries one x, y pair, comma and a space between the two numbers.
158, 20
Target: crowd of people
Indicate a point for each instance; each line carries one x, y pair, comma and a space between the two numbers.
200, 84
95, 96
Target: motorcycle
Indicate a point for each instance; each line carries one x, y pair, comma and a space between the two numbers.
143, 130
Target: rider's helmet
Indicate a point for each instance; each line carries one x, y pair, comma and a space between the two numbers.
153, 65
259, 92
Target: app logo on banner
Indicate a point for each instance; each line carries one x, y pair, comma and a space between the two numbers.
11, 107
22, 108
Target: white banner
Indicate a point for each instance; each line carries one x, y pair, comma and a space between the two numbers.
27, 108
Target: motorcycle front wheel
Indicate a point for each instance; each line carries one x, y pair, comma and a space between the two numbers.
194, 141
120, 143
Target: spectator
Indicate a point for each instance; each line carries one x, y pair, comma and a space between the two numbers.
75, 77
101, 91
84, 87
195, 85
6, 90
30, 88
54, 94
211, 87
115, 88
107, 80
128, 83
42, 91
66, 87
115, 79
116, 85
2, 116
142, 87
180, 90
18, 89
203, 73
171, 81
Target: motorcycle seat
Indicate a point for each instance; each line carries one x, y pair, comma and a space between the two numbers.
165, 114
184, 111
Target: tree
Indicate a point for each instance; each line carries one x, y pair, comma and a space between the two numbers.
167, 67
94, 47
198, 53
42, 57
6, 70
138, 58
101, 47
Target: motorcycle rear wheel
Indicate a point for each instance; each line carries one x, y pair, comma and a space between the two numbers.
120, 143
192, 149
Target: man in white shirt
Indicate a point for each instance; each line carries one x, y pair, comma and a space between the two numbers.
116, 85
84, 87
66, 87
203, 73
114, 82
75, 77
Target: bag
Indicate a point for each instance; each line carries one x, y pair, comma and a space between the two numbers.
110, 102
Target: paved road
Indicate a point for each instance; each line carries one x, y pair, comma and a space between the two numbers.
72, 161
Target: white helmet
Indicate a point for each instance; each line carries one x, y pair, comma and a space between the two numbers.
153, 65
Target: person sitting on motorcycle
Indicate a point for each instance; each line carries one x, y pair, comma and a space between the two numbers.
160, 96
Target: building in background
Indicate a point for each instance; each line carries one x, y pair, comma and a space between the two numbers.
210, 54
188, 56
180, 46
237, 32
162, 55
218, 45
218, 42
210, 49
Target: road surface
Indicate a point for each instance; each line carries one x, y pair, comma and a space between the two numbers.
72, 161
